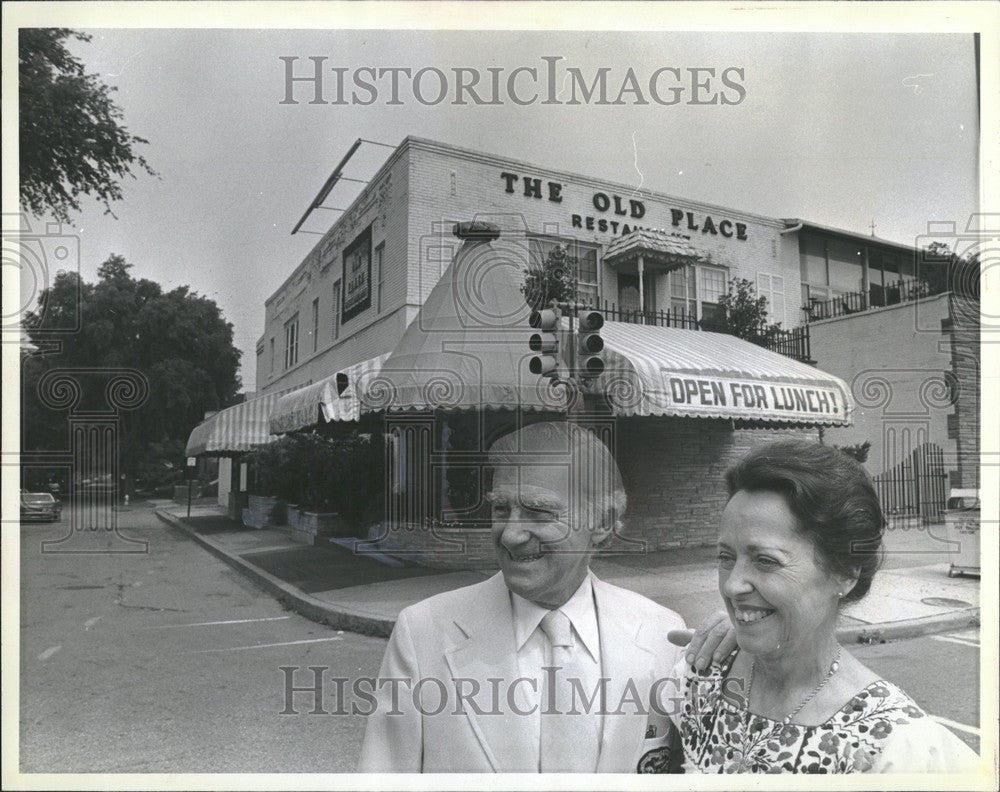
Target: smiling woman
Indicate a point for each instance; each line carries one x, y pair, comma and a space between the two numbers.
801, 535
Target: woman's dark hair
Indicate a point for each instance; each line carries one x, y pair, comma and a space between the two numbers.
831, 496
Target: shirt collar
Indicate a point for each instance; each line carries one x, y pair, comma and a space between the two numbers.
579, 608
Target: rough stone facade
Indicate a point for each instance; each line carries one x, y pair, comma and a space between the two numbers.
963, 328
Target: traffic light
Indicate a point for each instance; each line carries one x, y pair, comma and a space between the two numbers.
545, 342
589, 345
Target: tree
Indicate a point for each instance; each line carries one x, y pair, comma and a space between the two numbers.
555, 280
178, 340
744, 314
943, 270
72, 142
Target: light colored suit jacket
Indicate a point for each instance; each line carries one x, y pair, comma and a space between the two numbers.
469, 633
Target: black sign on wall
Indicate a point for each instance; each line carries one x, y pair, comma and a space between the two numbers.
357, 275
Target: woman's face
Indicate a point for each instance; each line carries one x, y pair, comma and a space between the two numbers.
778, 596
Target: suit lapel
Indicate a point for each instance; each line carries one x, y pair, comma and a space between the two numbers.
623, 659
489, 652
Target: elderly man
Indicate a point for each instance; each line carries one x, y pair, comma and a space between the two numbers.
542, 667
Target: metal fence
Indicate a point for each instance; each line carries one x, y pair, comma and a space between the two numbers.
876, 297
916, 487
793, 343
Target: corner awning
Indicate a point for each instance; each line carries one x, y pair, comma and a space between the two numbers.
333, 398
655, 247
467, 349
239, 428
696, 374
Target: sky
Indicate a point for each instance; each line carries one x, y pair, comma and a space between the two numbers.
840, 129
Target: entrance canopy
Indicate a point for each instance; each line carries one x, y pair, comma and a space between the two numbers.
654, 248
234, 430
334, 398
695, 374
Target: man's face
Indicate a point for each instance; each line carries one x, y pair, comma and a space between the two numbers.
544, 540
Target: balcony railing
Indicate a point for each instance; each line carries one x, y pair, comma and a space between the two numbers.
876, 297
793, 343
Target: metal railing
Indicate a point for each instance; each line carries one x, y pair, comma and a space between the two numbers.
793, 343
856, 302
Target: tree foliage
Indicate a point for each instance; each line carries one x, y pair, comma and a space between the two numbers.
72, 141
943, 270
858, 451
743, 313
554, 280
320, 472
178, 340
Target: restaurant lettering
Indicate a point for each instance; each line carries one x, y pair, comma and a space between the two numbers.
616, 209
739, 394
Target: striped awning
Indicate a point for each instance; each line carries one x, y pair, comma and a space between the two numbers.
691, 373
333, 398
241, 427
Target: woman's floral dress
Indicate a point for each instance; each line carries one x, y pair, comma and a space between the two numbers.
880, 729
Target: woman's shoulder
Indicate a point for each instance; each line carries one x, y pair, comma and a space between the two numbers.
891, 733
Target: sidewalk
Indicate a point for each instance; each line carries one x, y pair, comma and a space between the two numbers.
911, 595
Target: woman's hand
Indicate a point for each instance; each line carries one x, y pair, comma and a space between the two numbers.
714, 639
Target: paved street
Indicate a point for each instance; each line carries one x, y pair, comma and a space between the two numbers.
169, 661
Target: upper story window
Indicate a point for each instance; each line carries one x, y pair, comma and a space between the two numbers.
695, 291
292, 342
379, 277
315, 324
335, 319
587, 273
772, 287
272, 355
832, 267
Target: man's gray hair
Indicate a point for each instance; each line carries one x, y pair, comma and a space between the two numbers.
596, 484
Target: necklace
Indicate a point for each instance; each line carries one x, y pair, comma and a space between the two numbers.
788, 718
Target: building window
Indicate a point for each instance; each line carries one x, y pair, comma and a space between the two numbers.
695, 291
272, 355
379, 275
588, 282
773, 288
315, 327
357, 277
292, 342
336, 311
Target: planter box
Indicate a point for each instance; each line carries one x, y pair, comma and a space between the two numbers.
312, 527
324, 524
265, 510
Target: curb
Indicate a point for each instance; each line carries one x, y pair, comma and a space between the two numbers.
342, 618
908, 628
337, 617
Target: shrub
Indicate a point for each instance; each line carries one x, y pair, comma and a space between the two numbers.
859, 451
321, 473
553, 281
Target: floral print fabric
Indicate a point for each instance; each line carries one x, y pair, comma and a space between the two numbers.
721, 737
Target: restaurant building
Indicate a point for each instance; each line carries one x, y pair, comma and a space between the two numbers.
368, 306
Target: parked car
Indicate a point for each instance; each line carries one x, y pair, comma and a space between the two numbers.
40, 506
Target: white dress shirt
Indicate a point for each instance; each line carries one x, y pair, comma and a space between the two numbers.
534, 652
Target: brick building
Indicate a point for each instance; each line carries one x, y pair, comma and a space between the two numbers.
643, 257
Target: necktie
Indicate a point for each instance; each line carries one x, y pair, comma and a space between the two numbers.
569, 732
